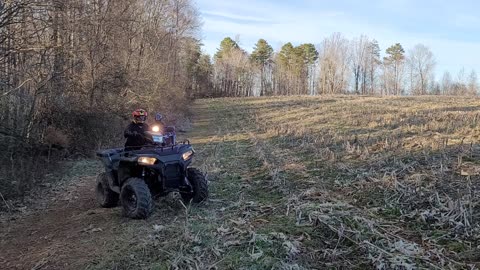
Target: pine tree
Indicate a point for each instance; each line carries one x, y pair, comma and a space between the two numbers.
203, 76
226, 47
310, 56
309, 53
262, 52
395, 53
285, 54
261, 55
373, 61
395, 60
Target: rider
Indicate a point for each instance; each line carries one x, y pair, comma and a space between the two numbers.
135, 132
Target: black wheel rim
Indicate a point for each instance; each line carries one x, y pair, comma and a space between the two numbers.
130, 200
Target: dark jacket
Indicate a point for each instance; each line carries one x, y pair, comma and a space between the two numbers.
135, 134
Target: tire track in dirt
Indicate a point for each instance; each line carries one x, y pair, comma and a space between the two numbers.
70, 232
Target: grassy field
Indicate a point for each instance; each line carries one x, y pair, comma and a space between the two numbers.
309, 183
330, 182
344, 182
334, 182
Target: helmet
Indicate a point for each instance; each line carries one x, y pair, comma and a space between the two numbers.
139, 116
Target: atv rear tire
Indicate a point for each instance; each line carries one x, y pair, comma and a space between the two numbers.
105, 196
136, 199
200, 186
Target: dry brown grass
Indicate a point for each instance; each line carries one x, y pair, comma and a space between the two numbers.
412, 162
325, 183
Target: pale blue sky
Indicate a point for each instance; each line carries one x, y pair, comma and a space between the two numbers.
451, 29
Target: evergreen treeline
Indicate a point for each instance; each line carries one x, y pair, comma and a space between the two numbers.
335, 66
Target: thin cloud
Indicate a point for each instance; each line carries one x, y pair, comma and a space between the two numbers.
234, 18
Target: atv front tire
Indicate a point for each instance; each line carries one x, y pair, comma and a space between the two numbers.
136, 199
105, 196
200, 186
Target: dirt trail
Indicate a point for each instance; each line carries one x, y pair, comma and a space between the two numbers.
69, 232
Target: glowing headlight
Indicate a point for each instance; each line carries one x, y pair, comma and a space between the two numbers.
155, 128
147, 160
187, 155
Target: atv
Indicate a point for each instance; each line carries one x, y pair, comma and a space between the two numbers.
135, 177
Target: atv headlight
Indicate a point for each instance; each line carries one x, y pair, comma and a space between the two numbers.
187, 155
147, 160
155, 128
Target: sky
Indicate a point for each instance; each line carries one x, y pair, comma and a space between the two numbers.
451, 29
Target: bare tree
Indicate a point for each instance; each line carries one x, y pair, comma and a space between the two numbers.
365, 61
472, 85
359, 62
334, 61
460, 87
447, 84
421, 64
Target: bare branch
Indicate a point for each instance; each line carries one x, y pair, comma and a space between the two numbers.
14, 89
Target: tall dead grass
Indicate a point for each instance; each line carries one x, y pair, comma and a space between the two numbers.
413, 161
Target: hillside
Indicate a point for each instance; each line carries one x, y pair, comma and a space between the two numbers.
296, 183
